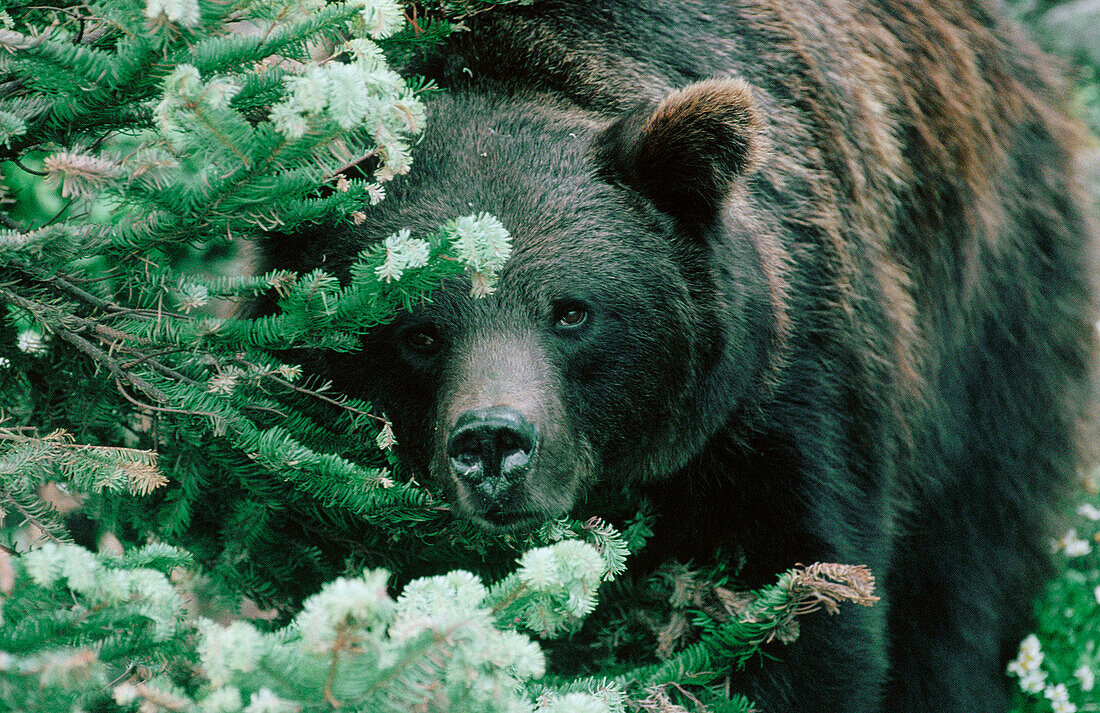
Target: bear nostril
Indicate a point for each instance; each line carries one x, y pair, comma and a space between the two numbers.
495, 442
466, 449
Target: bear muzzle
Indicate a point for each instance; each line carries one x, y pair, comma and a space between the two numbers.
489, 452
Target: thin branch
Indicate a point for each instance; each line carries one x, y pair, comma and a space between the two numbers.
309, 392
67, 283
163, 409
112, 365
57, 216
257, 407
42, 526
151, 360
54, 440
98, 355
31, 171
65, 321
70, 326
63, 283
327, 399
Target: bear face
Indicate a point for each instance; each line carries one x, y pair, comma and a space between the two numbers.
584, 364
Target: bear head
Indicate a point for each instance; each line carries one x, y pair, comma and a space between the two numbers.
624, 330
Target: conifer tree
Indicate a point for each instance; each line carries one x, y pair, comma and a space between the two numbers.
140, 408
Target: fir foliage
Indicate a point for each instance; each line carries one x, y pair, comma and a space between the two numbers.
137, 398
171, 127
82, 630
142, 139
73, 622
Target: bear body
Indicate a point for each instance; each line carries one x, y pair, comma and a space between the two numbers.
813, 275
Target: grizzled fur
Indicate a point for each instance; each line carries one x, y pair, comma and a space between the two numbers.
829, 268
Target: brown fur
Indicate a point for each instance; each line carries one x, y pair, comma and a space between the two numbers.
837, 281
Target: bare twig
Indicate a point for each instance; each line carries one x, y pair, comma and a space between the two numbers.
30, 518
327, 399
31, 171
103, 358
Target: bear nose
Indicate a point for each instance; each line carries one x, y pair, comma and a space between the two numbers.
490, 448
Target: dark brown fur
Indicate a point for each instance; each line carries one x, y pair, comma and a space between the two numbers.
838, 279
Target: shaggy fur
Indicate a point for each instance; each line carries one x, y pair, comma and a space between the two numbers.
834, 276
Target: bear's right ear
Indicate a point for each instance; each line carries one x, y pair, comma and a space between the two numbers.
686, 154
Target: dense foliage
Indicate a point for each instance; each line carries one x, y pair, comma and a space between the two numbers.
190, 521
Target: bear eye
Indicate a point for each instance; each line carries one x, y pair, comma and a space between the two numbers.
570, 315
422, 340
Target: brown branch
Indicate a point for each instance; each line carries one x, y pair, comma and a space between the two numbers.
66, 283
112, 365
42, 526
164, 409
331, 678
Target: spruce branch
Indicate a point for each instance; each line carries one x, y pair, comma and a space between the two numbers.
113, 366
69, 327
115, 339
37, 514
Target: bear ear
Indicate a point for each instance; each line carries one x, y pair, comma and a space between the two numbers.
686, 154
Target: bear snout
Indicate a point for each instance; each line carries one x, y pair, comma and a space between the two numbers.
489, 451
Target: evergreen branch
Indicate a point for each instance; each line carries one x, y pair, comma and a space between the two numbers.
61, 281
243, 179
92, 468
58, 438
58, 319
219, 54
114, 366
103, 358
75, 74
755, 619
41, 518
158, 699
151, 360
413, 655
67, 284
162, 409
215, 130
70, 239
117, 338
340, 402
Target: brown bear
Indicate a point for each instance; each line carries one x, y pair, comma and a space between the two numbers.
813, 274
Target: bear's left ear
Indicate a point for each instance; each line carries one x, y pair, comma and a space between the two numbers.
686, 154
